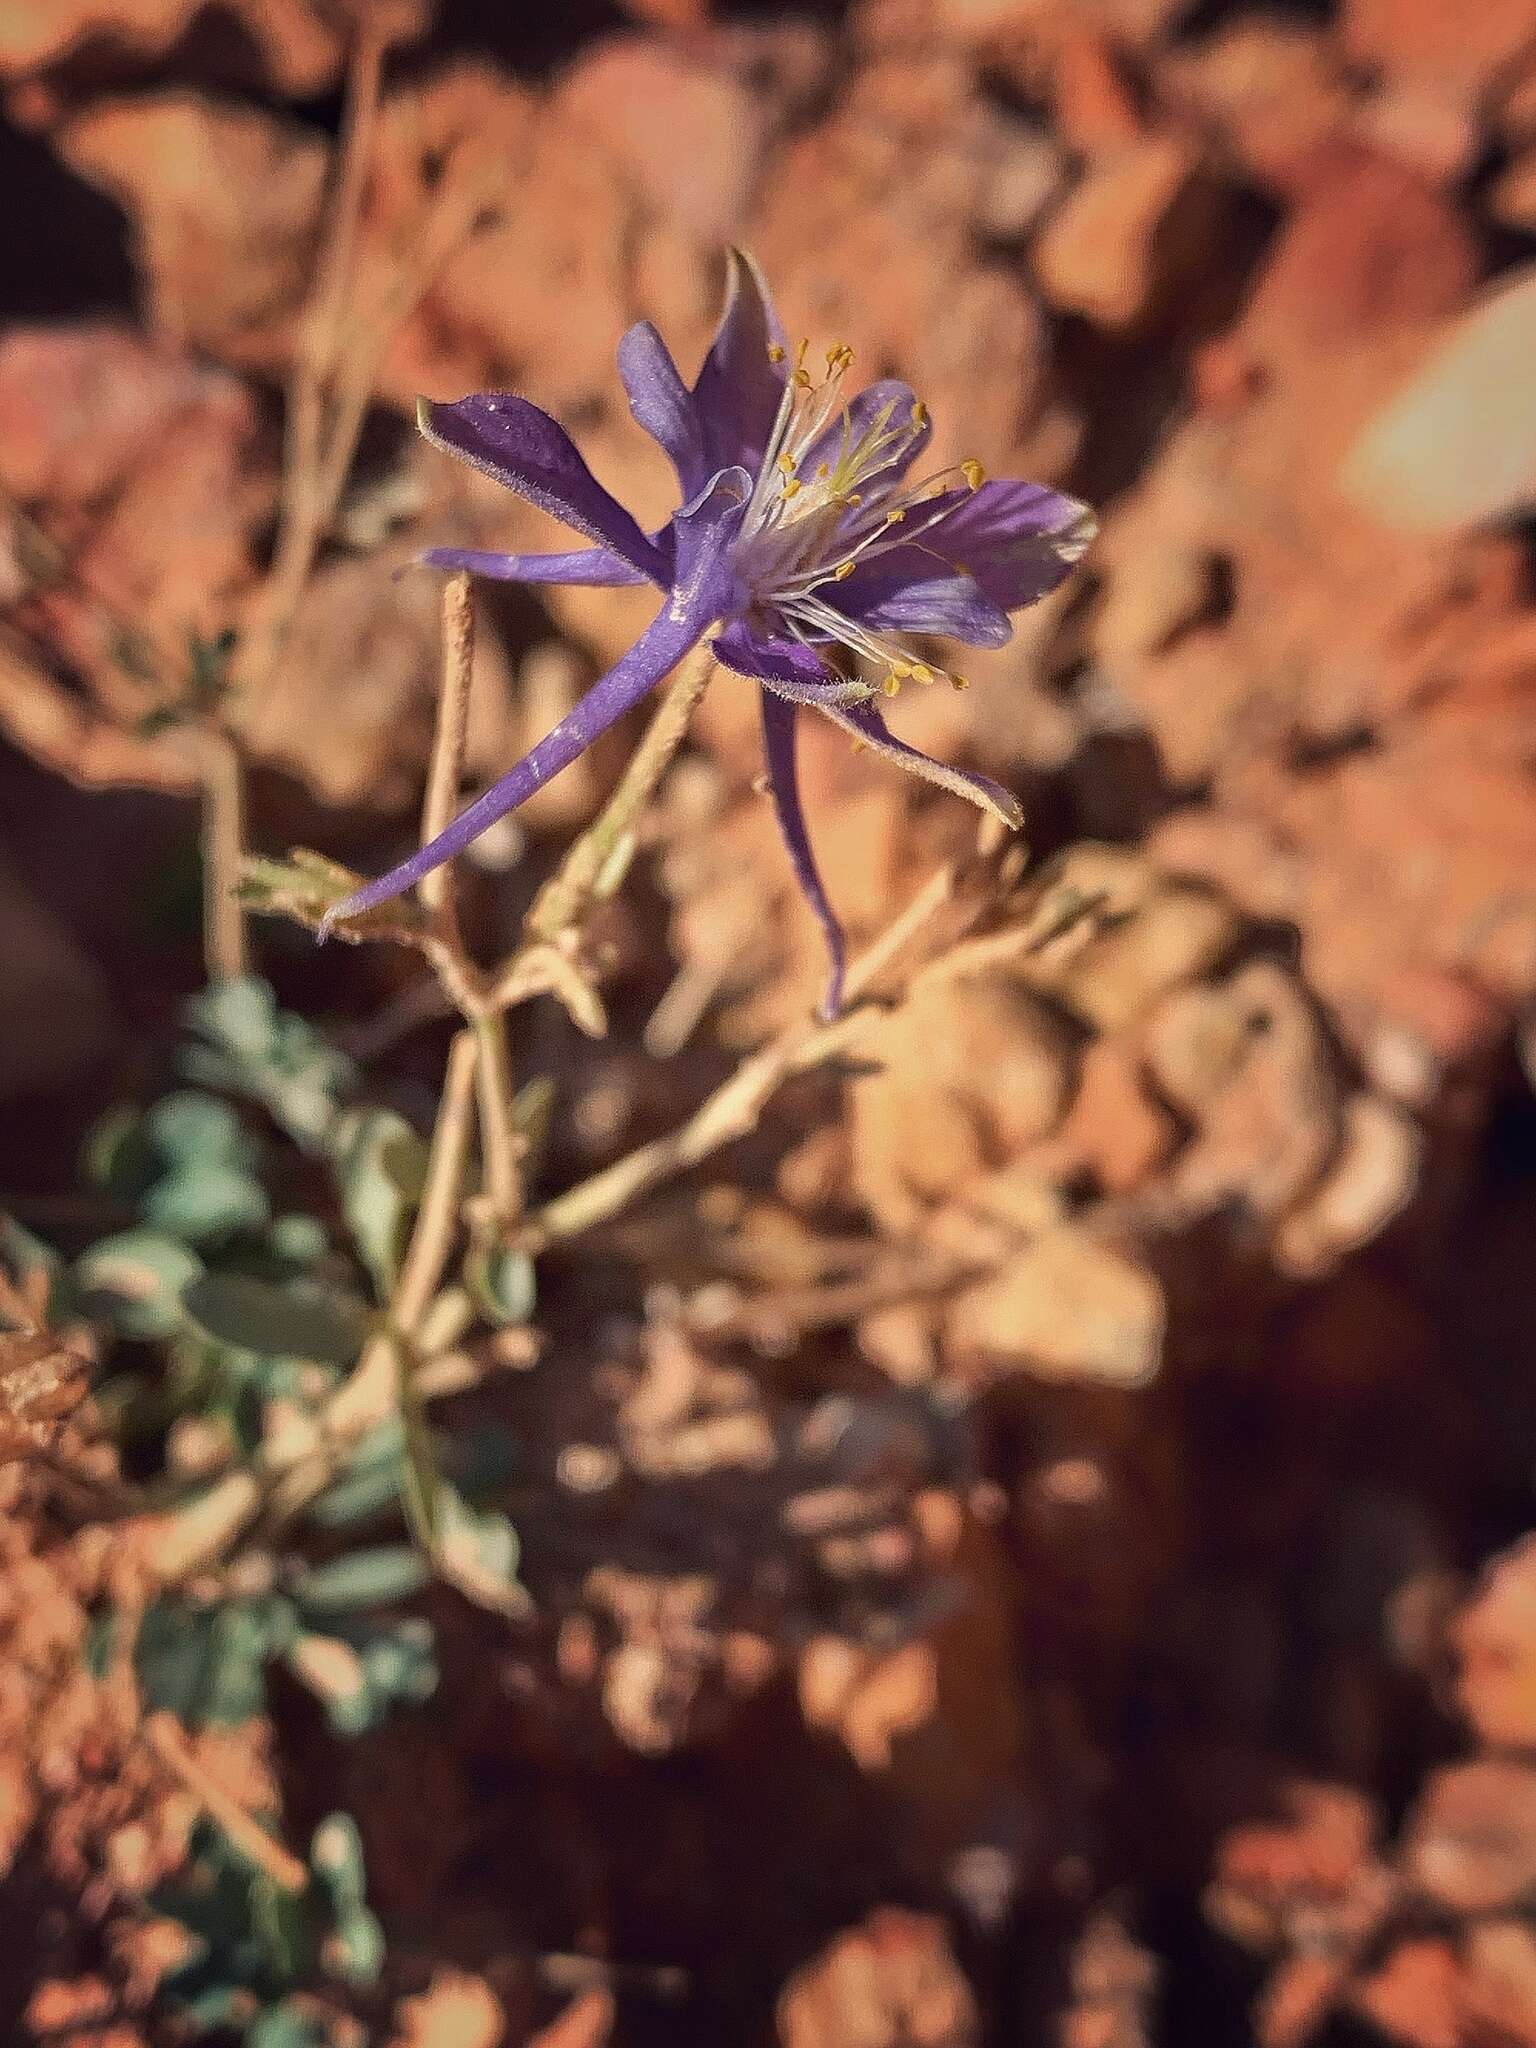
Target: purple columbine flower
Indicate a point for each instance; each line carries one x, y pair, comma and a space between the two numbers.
799, 547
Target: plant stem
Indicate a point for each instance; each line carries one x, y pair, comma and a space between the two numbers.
226, 946
596, 863
446, 772
500, 1144
195, 1536
166, 1737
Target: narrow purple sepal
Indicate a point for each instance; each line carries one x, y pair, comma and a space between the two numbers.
512, 441
659, 649
784, 787
577, 565
864, 722
663, 404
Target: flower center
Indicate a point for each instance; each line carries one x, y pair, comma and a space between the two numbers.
828, 500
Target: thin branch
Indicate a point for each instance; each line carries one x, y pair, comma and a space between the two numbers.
226, 948
166, 1737
447, 769
731, 1112
500, 1142
735, 1107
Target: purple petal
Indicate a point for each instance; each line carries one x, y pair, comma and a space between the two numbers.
866, 724
787, 667
1018, 540
784, 788
579, 565
706, 582
739, 388
862, 412
513, 441
663, 404
906, 591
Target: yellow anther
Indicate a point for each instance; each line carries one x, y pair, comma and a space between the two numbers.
839, 358
973, 473
822, 470
919, 414
854, 498
858, 747
787, 464
843, 569
902, 669
801, 380
892, 684
922, 672
895, 518
960, 682
791, 486
776, 352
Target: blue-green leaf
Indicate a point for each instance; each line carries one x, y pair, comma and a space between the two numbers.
381, 1165
293, 1320
138, 1278
375, 1577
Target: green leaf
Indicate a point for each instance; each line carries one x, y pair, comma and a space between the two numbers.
356, 1950
190, 1126
336, 1858
290, 1321
287, 2025
138, 1278
188, 1163
371, 1482
205, 1203
381, 1167
208, 1664
252, 1048
298, 1240
503, 1283
375, 1577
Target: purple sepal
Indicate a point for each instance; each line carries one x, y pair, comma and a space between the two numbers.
705, 583
578, 565
663, 404
784, 787
866, 724
512, 441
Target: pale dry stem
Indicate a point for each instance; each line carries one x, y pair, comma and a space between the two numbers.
164, 1735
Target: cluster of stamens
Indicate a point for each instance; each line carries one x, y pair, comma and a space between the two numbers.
819, 510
